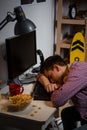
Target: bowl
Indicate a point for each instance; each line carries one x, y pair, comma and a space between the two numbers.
19, 102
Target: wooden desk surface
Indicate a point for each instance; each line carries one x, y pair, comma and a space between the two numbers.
38, 111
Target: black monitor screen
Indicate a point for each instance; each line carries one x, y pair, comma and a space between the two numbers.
21, 54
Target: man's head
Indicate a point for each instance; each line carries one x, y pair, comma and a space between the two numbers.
54, 68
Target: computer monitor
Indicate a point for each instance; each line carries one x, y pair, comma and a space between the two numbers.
21, 54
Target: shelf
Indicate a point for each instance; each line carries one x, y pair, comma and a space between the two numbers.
64, 45
63, 25
73, 21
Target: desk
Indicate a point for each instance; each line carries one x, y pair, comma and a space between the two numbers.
36, 116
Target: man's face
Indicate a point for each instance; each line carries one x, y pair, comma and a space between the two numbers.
54, 75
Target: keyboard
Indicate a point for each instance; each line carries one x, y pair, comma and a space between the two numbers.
36, 70
27, 81
39, 93
27, 78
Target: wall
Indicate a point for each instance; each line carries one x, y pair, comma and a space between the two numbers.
42, 14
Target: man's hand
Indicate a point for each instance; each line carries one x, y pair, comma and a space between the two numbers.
51, 87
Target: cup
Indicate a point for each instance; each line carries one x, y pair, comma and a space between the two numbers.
15, 89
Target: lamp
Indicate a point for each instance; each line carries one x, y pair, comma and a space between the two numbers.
23, 25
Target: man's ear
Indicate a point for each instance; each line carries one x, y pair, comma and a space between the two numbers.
56, 67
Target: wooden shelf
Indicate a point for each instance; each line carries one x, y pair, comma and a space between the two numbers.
64, 20
73, 21
64, 45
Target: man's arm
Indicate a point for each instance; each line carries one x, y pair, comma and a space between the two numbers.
50, 87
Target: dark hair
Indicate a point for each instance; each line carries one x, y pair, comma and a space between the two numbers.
50, 61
